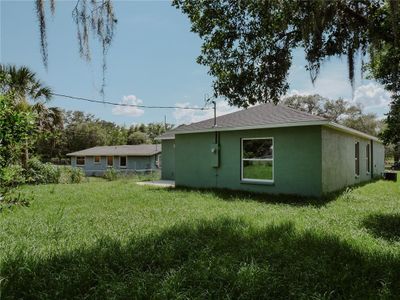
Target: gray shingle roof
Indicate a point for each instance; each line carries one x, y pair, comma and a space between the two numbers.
122, 150
253, 117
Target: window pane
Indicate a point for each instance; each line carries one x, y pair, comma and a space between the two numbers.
357, 158
97, 159
122, 161
109, 160
261, 170
259, 148
80, 160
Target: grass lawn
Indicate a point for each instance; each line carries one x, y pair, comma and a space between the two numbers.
118, 240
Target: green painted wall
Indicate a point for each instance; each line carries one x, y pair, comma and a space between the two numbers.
168, 160
297, 160
338, 163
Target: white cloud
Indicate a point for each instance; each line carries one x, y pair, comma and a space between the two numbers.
187, 116
372, 96
129, 110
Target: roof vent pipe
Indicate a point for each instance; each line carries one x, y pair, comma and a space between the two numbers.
215, 113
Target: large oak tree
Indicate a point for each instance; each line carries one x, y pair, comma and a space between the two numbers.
248, 44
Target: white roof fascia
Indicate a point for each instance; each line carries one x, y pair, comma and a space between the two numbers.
352, 131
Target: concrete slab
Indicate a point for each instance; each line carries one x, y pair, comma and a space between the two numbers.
158, 183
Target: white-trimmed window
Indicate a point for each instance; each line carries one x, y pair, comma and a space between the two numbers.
80, 160
367, 158
357, 158
257, 159
122, 161
110, 161
97, 159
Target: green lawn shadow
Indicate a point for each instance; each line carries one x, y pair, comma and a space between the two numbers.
386, 226
235, 195
224, 258
289, 199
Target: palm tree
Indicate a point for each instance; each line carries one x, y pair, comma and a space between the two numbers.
23, 86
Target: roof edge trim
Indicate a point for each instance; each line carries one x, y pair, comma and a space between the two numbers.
279, 125
264, 126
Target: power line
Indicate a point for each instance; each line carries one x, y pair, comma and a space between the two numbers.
126, 104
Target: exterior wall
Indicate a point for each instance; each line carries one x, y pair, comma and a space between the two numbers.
338, 163
168, 160
378, 159
297, 160
133, 163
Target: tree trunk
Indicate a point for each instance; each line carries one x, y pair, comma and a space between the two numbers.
25, 156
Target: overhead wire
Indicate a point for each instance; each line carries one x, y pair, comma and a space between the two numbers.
129, 105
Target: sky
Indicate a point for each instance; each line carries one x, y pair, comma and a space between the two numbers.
152, 61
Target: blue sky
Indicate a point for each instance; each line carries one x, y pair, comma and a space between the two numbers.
151, 61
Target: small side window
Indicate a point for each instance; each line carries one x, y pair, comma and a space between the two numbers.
97, 159
80, 160
122, 161
357, 158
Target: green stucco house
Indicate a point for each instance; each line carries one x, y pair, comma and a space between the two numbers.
122, 158
273, 149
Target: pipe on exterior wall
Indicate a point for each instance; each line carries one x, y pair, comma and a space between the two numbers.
372, 158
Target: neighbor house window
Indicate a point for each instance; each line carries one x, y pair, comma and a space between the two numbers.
367, 158
357, 158
122, 161
110, 161
97, 159
80, 160
258, 159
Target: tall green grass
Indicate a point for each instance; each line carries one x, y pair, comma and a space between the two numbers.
120, 240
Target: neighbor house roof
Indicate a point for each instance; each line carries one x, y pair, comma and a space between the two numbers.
266, 115
122, 150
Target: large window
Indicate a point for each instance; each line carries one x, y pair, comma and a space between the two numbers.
357, 158
367, 158
258, 159
80, 160
110, 161
122, 161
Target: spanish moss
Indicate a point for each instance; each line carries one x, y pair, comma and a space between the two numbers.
90, 17
42, 27
350, 66
98, 18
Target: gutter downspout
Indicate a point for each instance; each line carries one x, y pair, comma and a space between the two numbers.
216, 139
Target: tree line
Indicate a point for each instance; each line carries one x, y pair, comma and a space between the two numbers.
28, 126
76, 130
339, 111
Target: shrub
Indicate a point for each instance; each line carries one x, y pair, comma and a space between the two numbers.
77, 175
71, 175
39, 172
111, 174
11, 176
